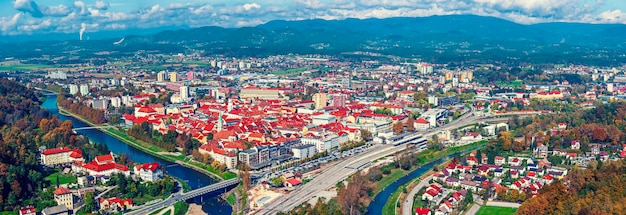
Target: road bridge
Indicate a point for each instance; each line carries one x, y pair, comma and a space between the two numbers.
186, 196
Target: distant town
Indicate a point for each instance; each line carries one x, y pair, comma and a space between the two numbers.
287, 133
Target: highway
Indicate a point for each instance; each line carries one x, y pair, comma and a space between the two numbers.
338, 172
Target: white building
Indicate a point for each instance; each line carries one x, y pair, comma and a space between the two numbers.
434, 115
73, 89
149, 171
303, 151
116, 102
184, 93
326, 142
60, 155
57, 75
84, 90
323, 119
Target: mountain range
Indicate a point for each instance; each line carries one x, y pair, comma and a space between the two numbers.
436, 38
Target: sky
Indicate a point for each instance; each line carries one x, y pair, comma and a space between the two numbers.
30, 17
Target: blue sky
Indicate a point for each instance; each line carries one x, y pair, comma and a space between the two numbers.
18, 17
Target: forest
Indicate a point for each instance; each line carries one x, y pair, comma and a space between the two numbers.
168, 141
86, 112
25, 128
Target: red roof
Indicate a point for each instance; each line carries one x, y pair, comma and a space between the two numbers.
104, 159
422, 211
76, 153
56, 150
432, 192
62, 191
148, 166
293, 182
421, 121
28, 209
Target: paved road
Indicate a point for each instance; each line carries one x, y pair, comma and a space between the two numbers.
503, 204
329, 177
407, 208
473, 210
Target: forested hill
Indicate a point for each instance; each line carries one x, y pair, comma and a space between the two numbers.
438, 39
24, 127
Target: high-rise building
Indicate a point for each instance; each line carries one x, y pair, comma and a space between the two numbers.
73, 89
339, 100
84, 89
161, 76
116, 102
470, 76
213, 63
449, 75
319, 100
190, 75
174, 77
184, 92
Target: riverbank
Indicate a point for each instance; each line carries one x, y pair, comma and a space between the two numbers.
149, 149
429, 157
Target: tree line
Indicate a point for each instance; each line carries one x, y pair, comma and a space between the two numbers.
84, 111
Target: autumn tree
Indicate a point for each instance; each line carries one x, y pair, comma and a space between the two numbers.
398, 127
353, 198
410, 126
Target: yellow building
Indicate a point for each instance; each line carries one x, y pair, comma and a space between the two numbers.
261, 93
449, 75
64, 196
161, 76
174, 77
319, 100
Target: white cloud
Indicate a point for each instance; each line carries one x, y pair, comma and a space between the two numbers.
612, 16
101, 5
7, 23
251, 6
116, 14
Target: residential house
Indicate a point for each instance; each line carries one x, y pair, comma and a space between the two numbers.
422, 211
499, 160
64, 196
575, 145
115, 204
28, 210
149, 171
292, 182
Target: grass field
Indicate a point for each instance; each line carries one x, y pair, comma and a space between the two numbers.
17, 67
63, 179
288, 71
180, 208
7, 213
492, 210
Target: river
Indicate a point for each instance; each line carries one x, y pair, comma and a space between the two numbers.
211, 203
376, 206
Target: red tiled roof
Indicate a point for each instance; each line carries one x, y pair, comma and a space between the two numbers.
105, 158
422, 211
56, 150
148, 166
62, 191
28, 209
421, 121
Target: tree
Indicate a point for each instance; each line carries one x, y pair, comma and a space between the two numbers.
410, 124
276, 182
90, 203
366, 134
398, 127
